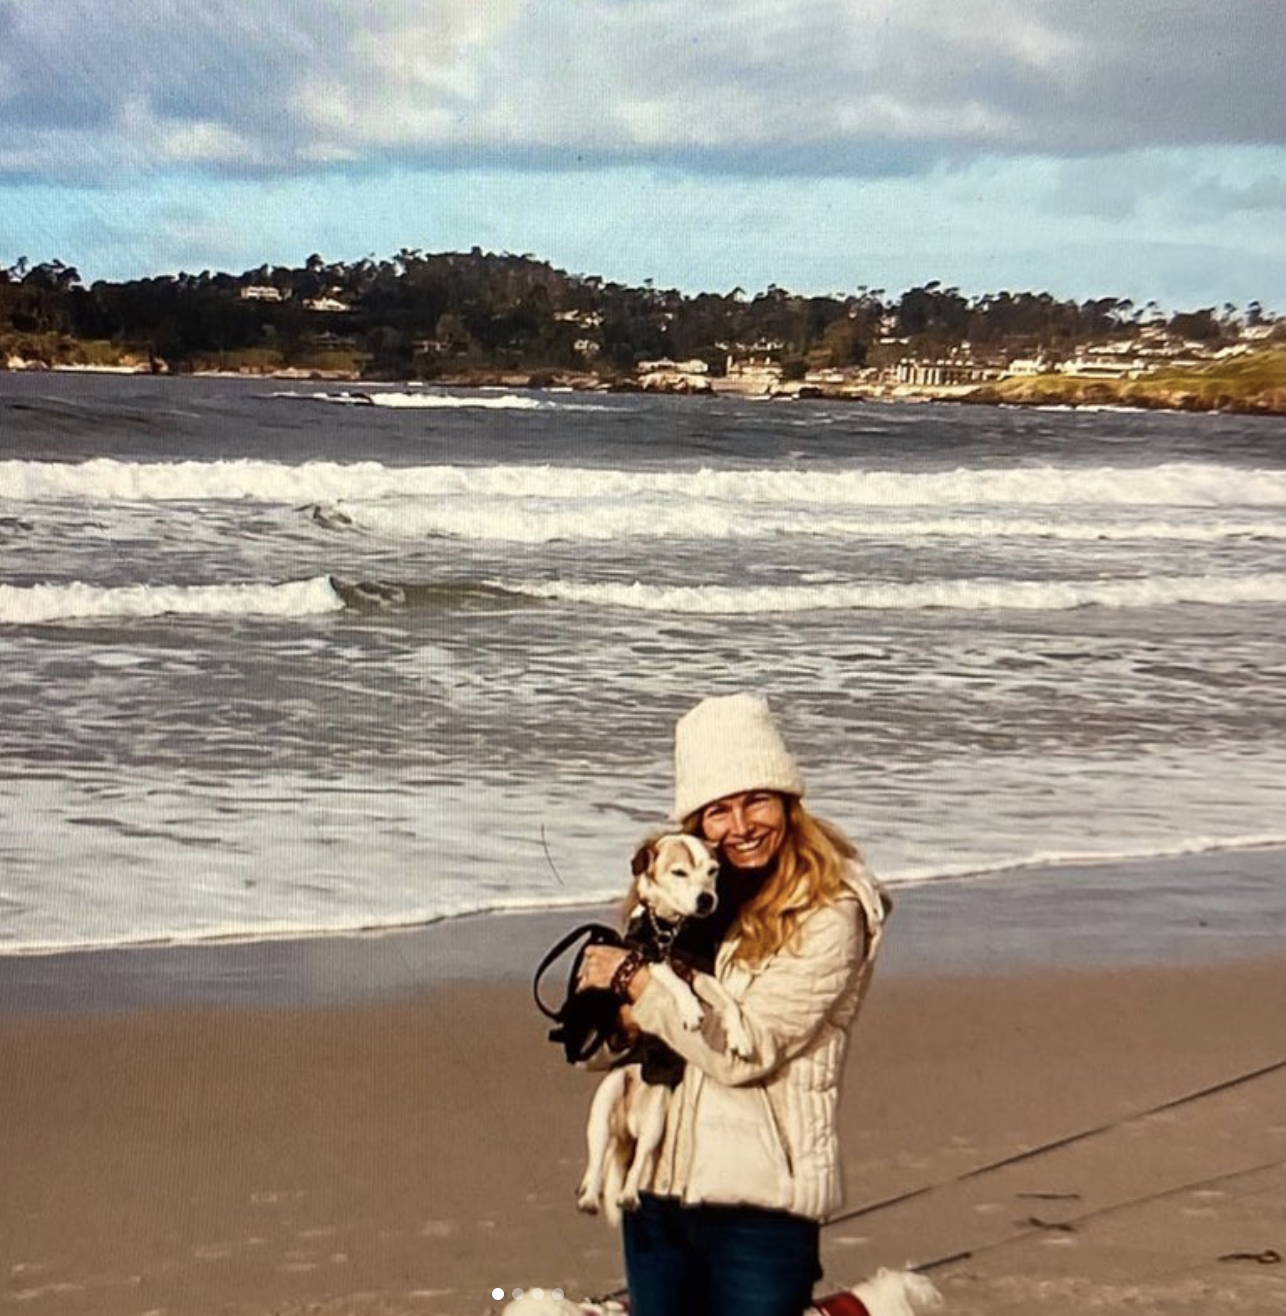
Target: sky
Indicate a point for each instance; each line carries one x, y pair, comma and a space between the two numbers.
1088, 148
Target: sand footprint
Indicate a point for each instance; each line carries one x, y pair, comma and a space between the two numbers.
850, 1240
213, 1251
297, 1263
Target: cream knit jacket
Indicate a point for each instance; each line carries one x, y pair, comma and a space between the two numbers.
761, 1131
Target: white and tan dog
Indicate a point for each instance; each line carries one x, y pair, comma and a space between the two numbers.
674, 880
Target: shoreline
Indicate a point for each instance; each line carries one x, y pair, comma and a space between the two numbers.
1073, 393
1200, 909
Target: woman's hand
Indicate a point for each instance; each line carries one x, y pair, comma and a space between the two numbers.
626, 1019
599, 965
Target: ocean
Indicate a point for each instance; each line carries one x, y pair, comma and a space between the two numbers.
287, 660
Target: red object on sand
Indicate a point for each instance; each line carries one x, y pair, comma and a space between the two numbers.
841, 1304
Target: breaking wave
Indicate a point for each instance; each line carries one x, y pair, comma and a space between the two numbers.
966, 595
522, 521
36, 604
46, 603
1176, 484
421, 401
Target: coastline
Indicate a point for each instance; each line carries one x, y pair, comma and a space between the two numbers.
1189, 392
1196, 909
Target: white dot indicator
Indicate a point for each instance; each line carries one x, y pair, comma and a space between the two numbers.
556, 1294
538, 1294
517, 1293
497, 1294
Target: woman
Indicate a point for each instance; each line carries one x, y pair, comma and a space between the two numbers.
749, 1165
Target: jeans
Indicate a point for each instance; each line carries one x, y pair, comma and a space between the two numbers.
718, 1260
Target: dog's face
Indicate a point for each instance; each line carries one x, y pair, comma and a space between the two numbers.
675, 876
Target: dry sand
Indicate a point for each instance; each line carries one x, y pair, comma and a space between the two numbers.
411, 1155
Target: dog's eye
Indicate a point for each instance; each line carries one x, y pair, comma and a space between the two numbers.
680, 872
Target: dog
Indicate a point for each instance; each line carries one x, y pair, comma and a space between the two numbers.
674, 880
886, 1293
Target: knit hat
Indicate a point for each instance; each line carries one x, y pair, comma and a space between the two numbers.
728, 745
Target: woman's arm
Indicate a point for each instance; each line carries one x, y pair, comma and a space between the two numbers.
783, 1008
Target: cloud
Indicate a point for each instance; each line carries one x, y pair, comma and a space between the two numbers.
838, 87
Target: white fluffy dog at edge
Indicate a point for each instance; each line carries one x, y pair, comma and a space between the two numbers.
674, 880
887, 1293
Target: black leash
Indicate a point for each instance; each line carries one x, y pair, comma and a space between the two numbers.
597, 934
1067, 1140
586, 1019
1269, 1256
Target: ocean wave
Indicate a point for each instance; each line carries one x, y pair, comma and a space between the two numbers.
40, 604
26, 605
1185, 485
273, 930
417, 401
1181, 849
525, 521
964, 595
436, 595
420, 401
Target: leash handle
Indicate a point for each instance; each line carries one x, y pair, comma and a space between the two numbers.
597, 933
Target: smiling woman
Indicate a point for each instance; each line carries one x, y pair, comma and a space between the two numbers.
749, 1162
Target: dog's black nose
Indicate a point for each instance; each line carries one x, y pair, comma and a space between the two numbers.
705, 903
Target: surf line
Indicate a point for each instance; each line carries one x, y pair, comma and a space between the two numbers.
1056, 1144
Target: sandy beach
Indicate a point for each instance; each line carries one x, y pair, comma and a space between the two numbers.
378, 1125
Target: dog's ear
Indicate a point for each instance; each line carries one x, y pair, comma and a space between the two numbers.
643, 857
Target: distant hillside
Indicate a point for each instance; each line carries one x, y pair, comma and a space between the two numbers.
478, 316
1252, 383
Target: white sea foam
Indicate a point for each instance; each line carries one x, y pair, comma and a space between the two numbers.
425, 401
529, 521
290, 853
1183, 848
969, 595
34, 604
419, 401
1175, 484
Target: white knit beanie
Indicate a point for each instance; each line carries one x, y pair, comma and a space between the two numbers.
728, 745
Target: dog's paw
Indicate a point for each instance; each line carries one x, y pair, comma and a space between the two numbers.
691, 1015
587, 1197
739, 1042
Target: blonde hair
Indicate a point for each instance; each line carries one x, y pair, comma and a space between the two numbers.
810, 868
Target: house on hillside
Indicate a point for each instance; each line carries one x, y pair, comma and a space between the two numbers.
668, 376
940, 373
756, 372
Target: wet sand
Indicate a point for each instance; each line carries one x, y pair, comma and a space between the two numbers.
290, 1129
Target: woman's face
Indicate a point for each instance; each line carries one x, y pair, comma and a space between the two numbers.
747, 829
